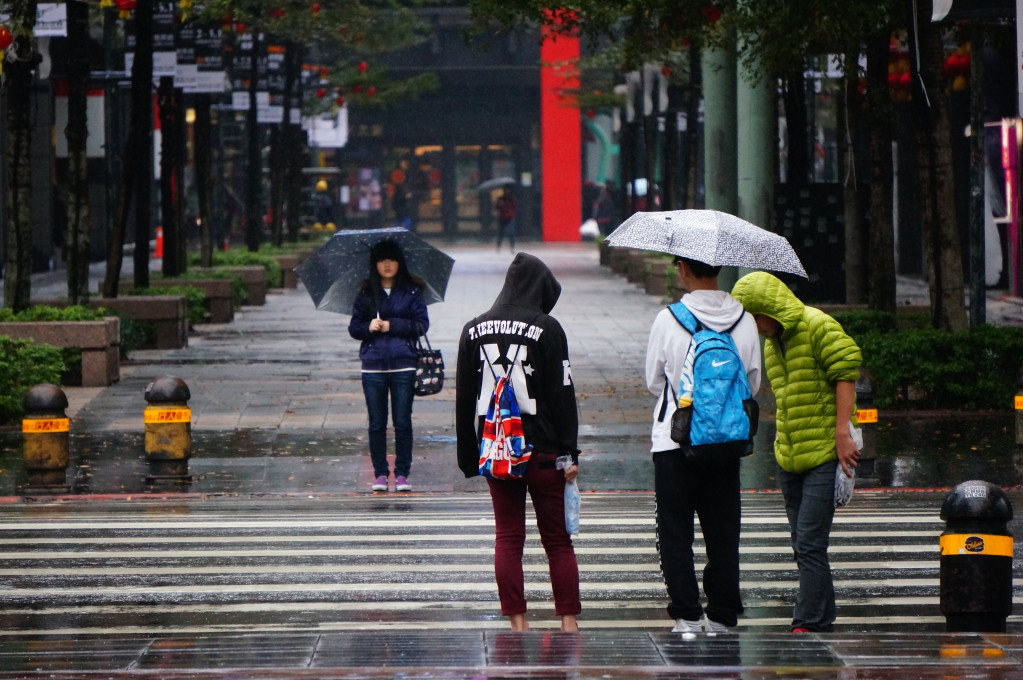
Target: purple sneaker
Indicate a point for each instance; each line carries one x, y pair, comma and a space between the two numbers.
380, 484
401, 484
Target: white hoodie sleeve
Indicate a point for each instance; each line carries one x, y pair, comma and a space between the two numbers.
666, 350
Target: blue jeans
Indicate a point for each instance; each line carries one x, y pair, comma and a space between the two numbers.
810, 506
376, 387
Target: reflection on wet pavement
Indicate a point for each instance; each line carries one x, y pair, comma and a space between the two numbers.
907, 453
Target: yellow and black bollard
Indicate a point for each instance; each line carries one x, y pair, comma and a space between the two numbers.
866, 416
975, 573
168, 429
46, 429
1019, 407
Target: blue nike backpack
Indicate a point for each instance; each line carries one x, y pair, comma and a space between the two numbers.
723, 416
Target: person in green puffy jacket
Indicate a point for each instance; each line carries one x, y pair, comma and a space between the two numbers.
812, 365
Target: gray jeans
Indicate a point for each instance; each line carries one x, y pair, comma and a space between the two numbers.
810, 506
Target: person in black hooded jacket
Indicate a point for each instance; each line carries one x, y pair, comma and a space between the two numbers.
517, 336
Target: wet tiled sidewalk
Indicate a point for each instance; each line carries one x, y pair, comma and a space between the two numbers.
474, 654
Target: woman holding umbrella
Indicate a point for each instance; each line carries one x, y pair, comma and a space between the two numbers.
388, 316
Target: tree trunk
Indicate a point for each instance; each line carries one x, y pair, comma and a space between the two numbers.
254, 163
693, 151
142, 126
797, 122
943, 245
77, 238
203, 144
296, 159
18, 230
278, 166
881, 236
170, 189
848, 124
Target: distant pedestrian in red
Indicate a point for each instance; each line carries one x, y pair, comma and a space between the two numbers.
507, 211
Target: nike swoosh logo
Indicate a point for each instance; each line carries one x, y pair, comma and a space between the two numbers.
715, 364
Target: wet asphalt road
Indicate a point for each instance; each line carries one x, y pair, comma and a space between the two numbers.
274, 556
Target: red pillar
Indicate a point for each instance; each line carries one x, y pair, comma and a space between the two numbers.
560, 140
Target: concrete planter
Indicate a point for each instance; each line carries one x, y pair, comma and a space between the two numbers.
99, 342
287, 263
657, 281
637, 269
254, 278
618, 258
219, 294
168, 313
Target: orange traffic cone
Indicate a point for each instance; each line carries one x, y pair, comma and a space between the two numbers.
158, 251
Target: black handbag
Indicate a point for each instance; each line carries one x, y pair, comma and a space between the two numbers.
429, 369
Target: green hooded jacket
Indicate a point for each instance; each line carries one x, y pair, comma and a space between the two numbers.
803, 365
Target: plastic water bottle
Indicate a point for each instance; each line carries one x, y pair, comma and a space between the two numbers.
571, 498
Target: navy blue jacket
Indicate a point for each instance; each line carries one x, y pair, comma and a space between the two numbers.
396, 349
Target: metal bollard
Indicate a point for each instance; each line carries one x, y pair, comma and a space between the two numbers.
976, 559
1019, 407
46, 430
168, 429
866, 416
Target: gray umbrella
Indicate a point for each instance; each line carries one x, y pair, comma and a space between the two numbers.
332, 274
710, 236
496, 183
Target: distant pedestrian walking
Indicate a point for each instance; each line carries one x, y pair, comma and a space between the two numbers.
813, 366
507, 212
388, 317
517, 338
686, 484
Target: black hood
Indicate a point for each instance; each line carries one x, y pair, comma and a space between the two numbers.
529, 283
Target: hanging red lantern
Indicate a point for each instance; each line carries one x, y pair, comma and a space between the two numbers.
316, 7
278, 12
371, 91
363, 66
356, 88
340, 100
320, 93
324, 71
590, 113
240, 28
5, 38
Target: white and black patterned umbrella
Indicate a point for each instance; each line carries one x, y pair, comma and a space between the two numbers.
332, 274
710, 236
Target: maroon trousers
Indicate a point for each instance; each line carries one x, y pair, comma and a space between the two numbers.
546, 486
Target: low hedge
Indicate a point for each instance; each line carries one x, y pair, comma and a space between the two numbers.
47, 313
23, 365
236, 257
915, 365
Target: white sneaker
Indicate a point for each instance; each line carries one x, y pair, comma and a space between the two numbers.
689, 629
713, 626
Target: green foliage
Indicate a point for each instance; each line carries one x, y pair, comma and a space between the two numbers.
345, 38
136, 333
198, 305
47, 313
938, 369
24, 364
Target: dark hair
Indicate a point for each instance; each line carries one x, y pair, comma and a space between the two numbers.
387, 250
701, 270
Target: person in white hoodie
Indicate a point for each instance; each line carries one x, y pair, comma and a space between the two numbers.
684, 487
